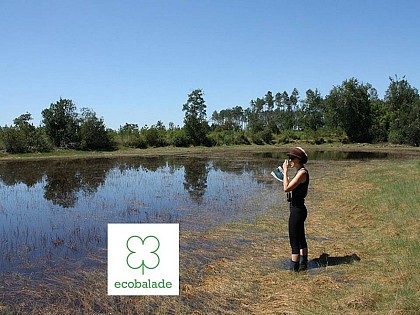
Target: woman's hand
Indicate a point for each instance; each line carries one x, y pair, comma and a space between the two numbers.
285, 166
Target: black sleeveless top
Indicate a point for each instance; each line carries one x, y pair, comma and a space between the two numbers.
300, 192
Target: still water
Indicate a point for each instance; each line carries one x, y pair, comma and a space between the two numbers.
52, 212
57, 211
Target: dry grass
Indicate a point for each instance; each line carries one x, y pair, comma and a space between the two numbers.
369, 210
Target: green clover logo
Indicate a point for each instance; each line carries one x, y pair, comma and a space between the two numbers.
143, 252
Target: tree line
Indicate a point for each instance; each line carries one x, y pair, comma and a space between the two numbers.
62, 127
351, 112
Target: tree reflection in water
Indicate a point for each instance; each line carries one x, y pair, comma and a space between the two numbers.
67, 178
57, 210
195, 175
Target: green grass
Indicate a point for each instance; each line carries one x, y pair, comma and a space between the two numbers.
218, 150
368, 209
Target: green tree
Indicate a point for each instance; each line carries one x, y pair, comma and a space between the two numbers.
287, 113
14, 140
294, 102
413, 128
93, 133
271, 123
269, 101
256, 116
129, 135
403, 101
380, 121
229, 119
155, 135
195, 124
25, 137
238, 116
177, 137
312, 110
23, 123
61, 123
350, 105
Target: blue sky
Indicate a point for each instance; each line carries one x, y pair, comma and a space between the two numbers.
137, 61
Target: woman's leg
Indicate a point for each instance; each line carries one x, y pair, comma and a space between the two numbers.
303, 245
294, 219
303, 260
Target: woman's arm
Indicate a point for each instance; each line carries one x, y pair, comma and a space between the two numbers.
298, 179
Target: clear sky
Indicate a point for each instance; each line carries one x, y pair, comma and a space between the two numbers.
136, 61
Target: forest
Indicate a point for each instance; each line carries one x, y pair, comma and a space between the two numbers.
352, 112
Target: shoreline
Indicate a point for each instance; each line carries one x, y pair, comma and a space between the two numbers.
215, 151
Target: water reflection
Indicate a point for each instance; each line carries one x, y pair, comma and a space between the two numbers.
56, 211
196, 172
63, 179
66, 179
13, 173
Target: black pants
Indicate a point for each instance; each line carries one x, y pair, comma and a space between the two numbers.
297, 219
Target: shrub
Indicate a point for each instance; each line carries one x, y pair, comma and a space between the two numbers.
40, 142
288, 136
178, 138
267, 136
140, 142
18, 140
155, 137
240, 138
256, 138
228, 137
93, 133
14, 140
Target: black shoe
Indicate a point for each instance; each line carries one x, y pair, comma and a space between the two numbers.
303, 267
294, 266
303, 264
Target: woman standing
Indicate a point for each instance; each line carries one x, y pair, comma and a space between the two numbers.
296, 190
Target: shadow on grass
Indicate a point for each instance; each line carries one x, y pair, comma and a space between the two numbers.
325, 260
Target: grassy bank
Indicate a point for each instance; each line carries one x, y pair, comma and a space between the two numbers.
232, 150
367, 210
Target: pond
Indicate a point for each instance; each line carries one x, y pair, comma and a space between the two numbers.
57, 211
54, 212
